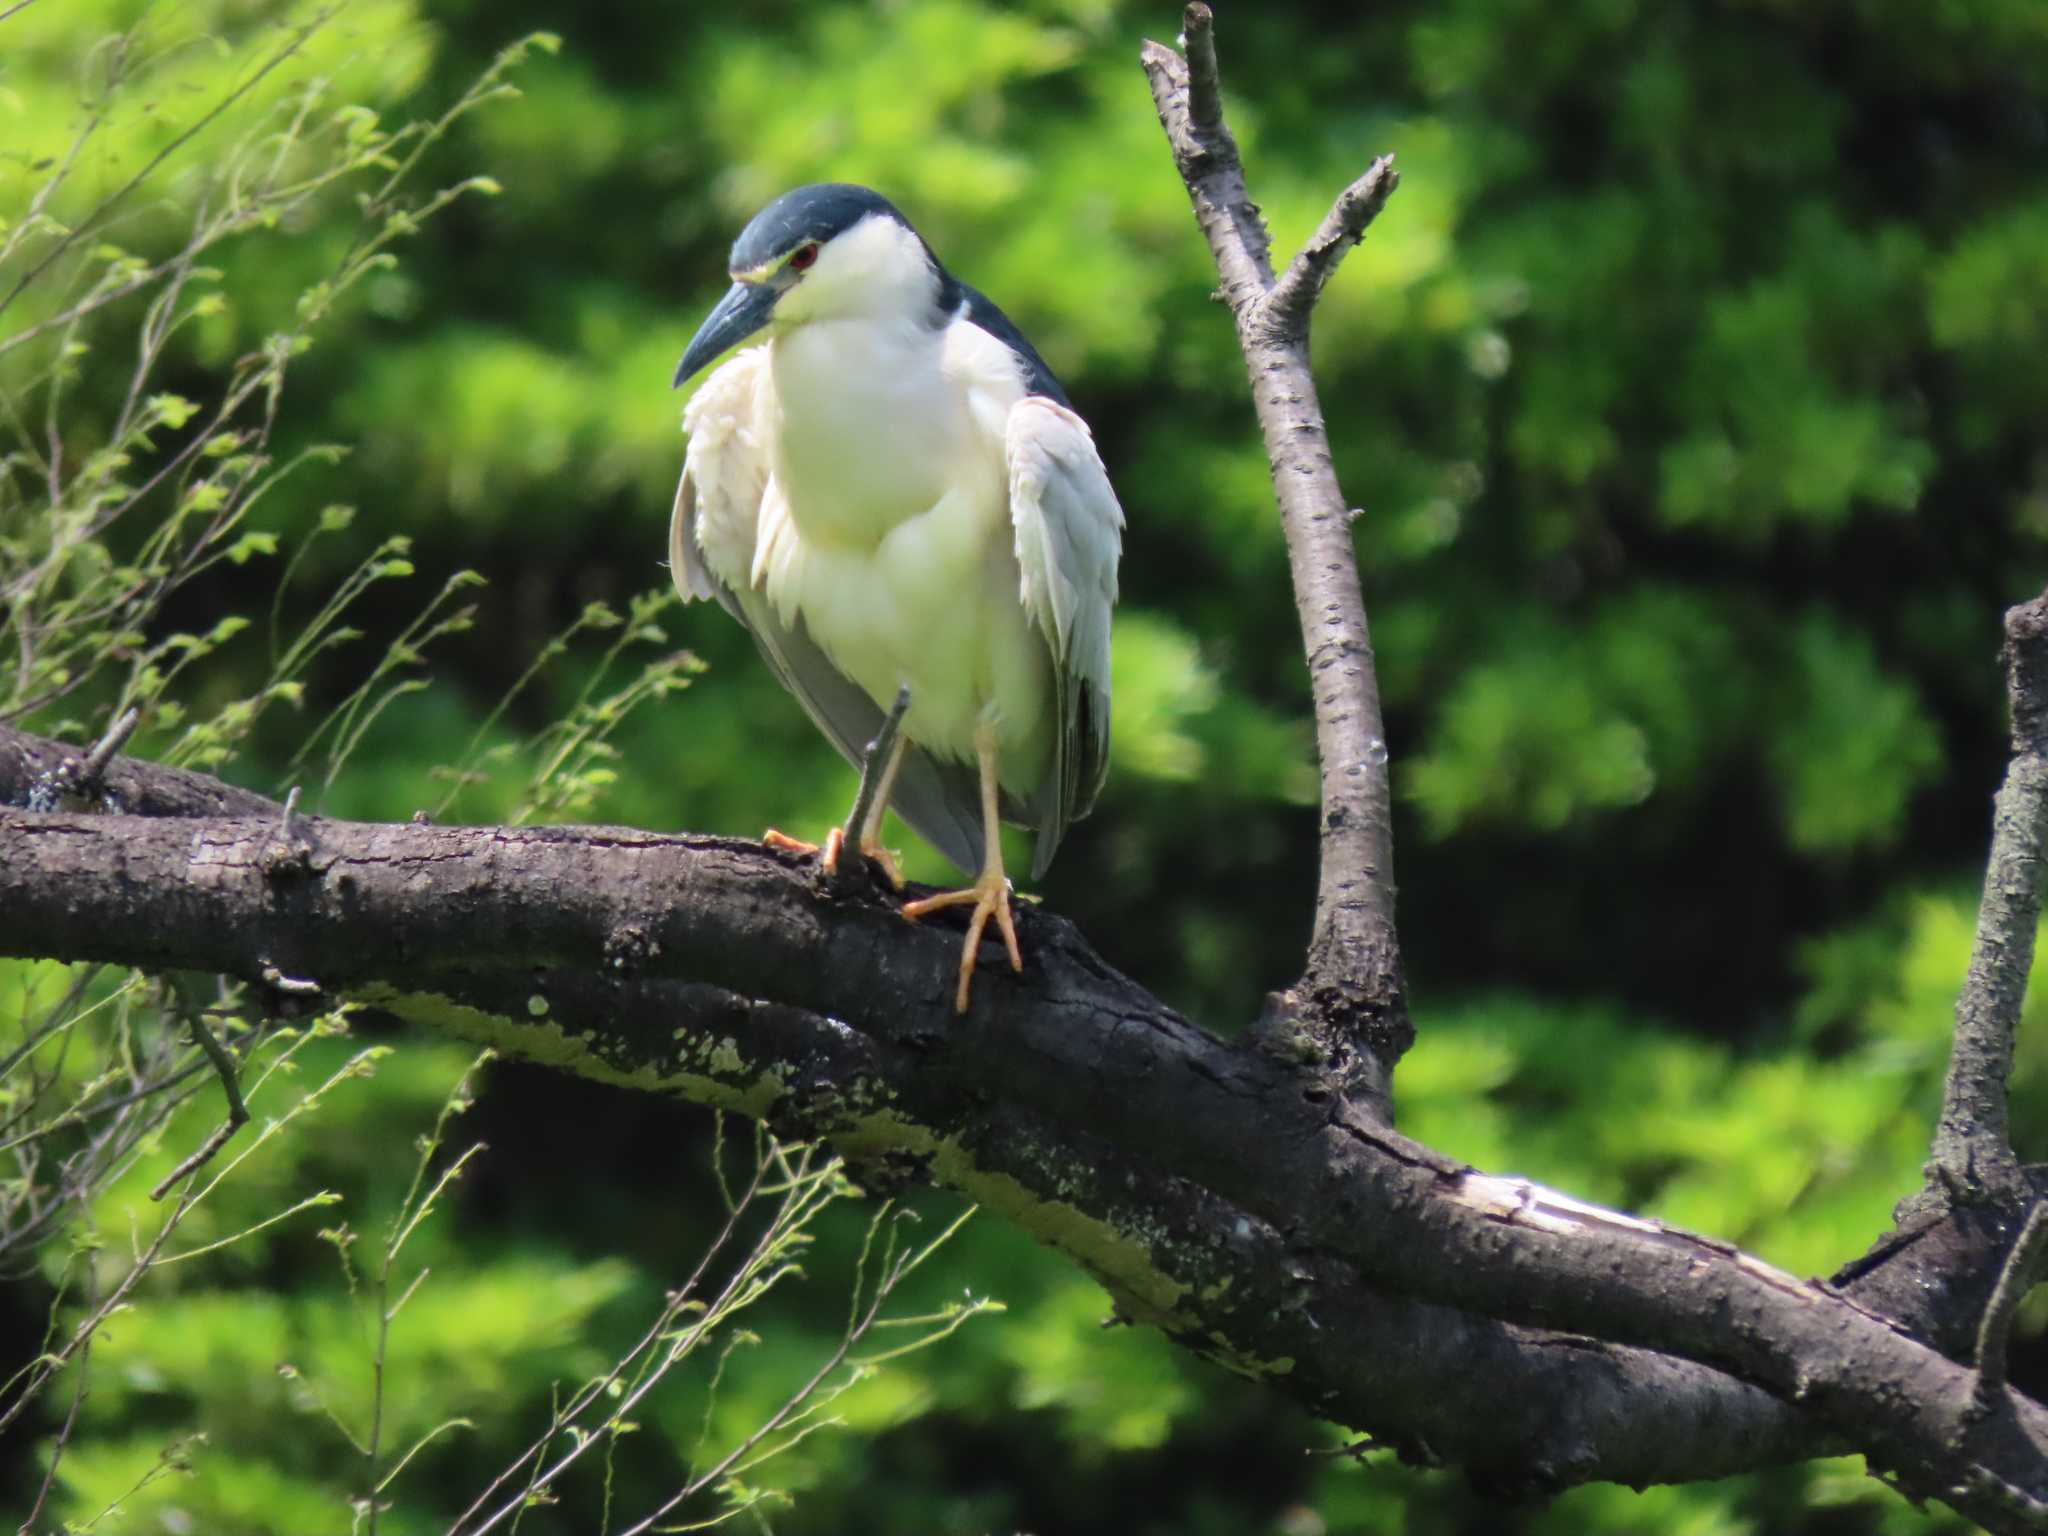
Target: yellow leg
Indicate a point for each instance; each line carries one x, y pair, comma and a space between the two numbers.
990, 893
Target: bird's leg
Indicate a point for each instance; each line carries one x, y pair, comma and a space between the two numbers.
870, 801
868, 836
990, 892
878, 767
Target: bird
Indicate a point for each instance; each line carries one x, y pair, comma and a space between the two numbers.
892, 490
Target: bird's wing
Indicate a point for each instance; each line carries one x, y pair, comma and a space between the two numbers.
725, 472
711, 539
1069, 532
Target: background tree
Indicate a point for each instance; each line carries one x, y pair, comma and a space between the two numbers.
1690, 413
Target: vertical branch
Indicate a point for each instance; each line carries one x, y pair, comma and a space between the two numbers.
1351, 995
1972, 1159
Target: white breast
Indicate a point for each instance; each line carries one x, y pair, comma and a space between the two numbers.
869, 429
886, 525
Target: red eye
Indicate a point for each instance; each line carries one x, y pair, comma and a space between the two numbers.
802, 258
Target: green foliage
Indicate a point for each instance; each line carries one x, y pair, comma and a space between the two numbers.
1690, 389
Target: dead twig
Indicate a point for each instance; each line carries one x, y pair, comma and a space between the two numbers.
238, 1112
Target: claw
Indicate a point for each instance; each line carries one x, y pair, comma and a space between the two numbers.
990, 896
885, 860
833, 846
782, 842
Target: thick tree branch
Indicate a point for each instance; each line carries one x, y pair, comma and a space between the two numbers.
1214, 1190
1350, 999
429, 923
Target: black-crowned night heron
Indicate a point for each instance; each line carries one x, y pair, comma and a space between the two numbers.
894, 491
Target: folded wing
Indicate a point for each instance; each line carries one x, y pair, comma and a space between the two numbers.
1069, 536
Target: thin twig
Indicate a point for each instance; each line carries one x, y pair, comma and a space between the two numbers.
1205, 78
78, 1389
94, 769
81, 1336
1295, 294
75, 782
672, 1308
238, 1112
2022, 1266
205, 120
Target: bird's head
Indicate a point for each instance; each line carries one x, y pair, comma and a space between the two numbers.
822, 252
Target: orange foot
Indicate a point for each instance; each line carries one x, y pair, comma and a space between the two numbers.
990, 895
782, 842
835, 842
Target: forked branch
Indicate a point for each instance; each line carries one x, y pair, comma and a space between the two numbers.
1350, 1008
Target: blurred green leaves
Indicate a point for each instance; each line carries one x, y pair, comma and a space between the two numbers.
1854, 746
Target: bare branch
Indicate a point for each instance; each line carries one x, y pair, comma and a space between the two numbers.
1349, 1010
1972, 1155
1295, 294
1209, 165
1205, 78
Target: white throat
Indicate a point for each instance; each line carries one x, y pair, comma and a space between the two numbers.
868, 422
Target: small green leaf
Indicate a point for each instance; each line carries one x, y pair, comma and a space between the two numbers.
252, 544
172, 410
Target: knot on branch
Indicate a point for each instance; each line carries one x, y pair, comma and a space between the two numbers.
290, 851
80, 783
1345, 1022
